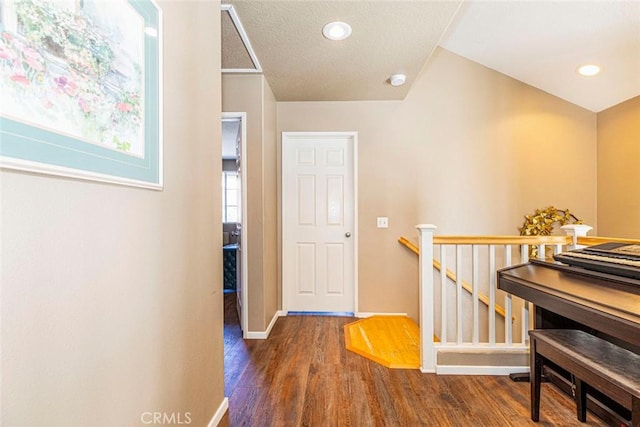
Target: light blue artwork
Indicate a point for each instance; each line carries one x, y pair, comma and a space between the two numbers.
80, 89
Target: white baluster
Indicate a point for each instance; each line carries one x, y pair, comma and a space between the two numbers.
508, 299
476, 298
492, 295
427, 348
557, 249
524, 254
525, 322
542, 248
443, 286
524, 315
459, 294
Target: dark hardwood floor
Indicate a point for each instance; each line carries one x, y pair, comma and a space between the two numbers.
303, 376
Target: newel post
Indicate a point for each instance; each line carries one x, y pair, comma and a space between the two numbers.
427, 348
575, 231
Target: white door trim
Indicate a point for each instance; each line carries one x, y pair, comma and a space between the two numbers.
244, 321
354, 137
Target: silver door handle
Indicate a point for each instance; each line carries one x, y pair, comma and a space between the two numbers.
347, 234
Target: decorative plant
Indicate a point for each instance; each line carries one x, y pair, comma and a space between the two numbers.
542, 223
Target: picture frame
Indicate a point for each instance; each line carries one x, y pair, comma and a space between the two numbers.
82, 90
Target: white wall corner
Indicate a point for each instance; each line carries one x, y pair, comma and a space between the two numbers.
263, 335
222, 409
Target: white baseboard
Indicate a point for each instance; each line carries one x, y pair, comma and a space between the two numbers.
364, 314
479, 370
217, 417
253, 335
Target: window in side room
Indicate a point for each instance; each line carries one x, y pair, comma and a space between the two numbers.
230, 194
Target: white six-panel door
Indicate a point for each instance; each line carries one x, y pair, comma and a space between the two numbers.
318, 221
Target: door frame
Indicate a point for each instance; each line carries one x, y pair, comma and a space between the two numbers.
244, 288
353, 135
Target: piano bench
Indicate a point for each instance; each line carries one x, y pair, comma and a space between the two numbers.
594, 362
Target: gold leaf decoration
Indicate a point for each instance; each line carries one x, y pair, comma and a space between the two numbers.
542, 224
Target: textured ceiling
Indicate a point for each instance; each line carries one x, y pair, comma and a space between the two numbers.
538, 42
301, 65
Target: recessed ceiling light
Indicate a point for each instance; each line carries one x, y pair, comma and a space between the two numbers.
588, 70
397, 79
336, 30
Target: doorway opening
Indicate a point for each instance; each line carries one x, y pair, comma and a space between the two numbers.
234, 220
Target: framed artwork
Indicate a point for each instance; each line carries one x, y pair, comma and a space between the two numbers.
81, 89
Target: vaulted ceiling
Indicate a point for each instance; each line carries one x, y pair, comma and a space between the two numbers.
538, 42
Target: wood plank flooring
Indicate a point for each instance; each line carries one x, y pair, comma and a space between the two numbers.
303, 376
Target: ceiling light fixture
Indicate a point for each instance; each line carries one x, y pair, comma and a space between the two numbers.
336, 30
588, 70
397, 79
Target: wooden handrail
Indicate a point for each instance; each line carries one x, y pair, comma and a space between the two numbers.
409, 244
592, 240
502, 240
452, 276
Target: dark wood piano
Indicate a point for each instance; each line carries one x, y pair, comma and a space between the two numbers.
572, 297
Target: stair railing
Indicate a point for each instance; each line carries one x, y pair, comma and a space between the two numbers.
452, 276
456, 317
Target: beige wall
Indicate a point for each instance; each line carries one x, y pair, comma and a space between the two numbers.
251, 94
243, 93
270, 174
469, 149
111, 295
619, 170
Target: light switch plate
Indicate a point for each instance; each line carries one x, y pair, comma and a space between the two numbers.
383, 222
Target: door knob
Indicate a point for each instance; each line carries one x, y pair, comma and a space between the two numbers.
347, 234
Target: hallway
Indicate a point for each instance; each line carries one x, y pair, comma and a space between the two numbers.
303, 376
